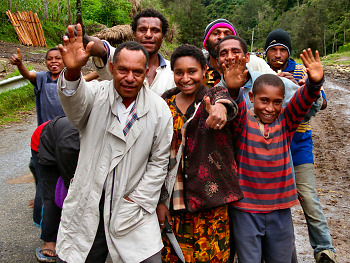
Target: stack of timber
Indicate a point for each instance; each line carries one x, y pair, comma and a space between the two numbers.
28, 28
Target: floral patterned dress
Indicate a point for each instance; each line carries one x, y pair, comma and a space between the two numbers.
203, 236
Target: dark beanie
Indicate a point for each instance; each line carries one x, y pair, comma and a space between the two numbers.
278, 37
215, 24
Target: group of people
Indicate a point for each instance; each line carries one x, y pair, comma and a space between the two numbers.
218, 147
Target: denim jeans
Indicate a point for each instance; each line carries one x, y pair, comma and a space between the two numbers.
320, 238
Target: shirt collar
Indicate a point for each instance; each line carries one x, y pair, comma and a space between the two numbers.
290, 66
162, 62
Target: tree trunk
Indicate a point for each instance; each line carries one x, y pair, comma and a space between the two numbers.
344, 42
58, 11
334, 42
324, 42
78, 6
69, 13
46, 9
10, 5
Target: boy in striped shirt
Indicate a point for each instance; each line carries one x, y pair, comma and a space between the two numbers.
278, 48
262, 221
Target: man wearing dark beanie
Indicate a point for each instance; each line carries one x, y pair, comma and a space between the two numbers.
278, 48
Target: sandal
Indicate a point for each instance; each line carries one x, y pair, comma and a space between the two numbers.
43, 258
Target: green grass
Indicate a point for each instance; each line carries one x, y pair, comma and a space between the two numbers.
14, 103
339, 58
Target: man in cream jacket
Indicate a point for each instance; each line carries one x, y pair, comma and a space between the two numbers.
126, 132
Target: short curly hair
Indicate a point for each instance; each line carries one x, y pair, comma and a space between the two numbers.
267, 80
150, 12
188, 51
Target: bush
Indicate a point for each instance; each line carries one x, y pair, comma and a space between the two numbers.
344, 48
107, 12
53, 33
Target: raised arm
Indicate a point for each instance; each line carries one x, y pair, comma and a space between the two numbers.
73, 53
16, 59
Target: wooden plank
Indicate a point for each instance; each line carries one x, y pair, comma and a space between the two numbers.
41, 40
25, 38
40, 29
29, 28
35, 28
16, 27
32, 23
24, 27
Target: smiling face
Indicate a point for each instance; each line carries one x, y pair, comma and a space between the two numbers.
129, 72
149, 33
277, 57
188, 74
54, 62
228, 50
267, 102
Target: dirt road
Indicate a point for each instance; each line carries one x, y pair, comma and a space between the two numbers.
19, 237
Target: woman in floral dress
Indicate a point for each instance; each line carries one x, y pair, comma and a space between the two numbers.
202, 235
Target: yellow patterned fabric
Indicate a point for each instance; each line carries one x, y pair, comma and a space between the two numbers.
203, 237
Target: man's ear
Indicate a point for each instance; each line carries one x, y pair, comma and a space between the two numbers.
247, 57
251, 97
111, 67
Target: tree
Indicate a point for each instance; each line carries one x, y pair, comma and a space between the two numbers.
190, 16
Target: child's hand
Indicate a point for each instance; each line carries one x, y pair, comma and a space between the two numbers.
313, 65
235, 73
16, 59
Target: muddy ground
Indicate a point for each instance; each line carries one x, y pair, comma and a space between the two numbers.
331, 149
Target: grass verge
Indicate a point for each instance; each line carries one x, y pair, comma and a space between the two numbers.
16, 103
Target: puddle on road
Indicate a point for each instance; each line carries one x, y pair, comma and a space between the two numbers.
25, 179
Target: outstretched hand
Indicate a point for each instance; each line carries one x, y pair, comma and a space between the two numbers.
73, 53
16, 59
217, 114
235, 74
313, 65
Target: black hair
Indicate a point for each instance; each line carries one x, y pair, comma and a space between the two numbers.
188, 51
242, 42
150, 12
130, 45
267, 79
51, 49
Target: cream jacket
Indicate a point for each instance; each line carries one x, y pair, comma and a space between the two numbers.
131, 166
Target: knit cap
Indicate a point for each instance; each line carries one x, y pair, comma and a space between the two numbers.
278, 37
215, 24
